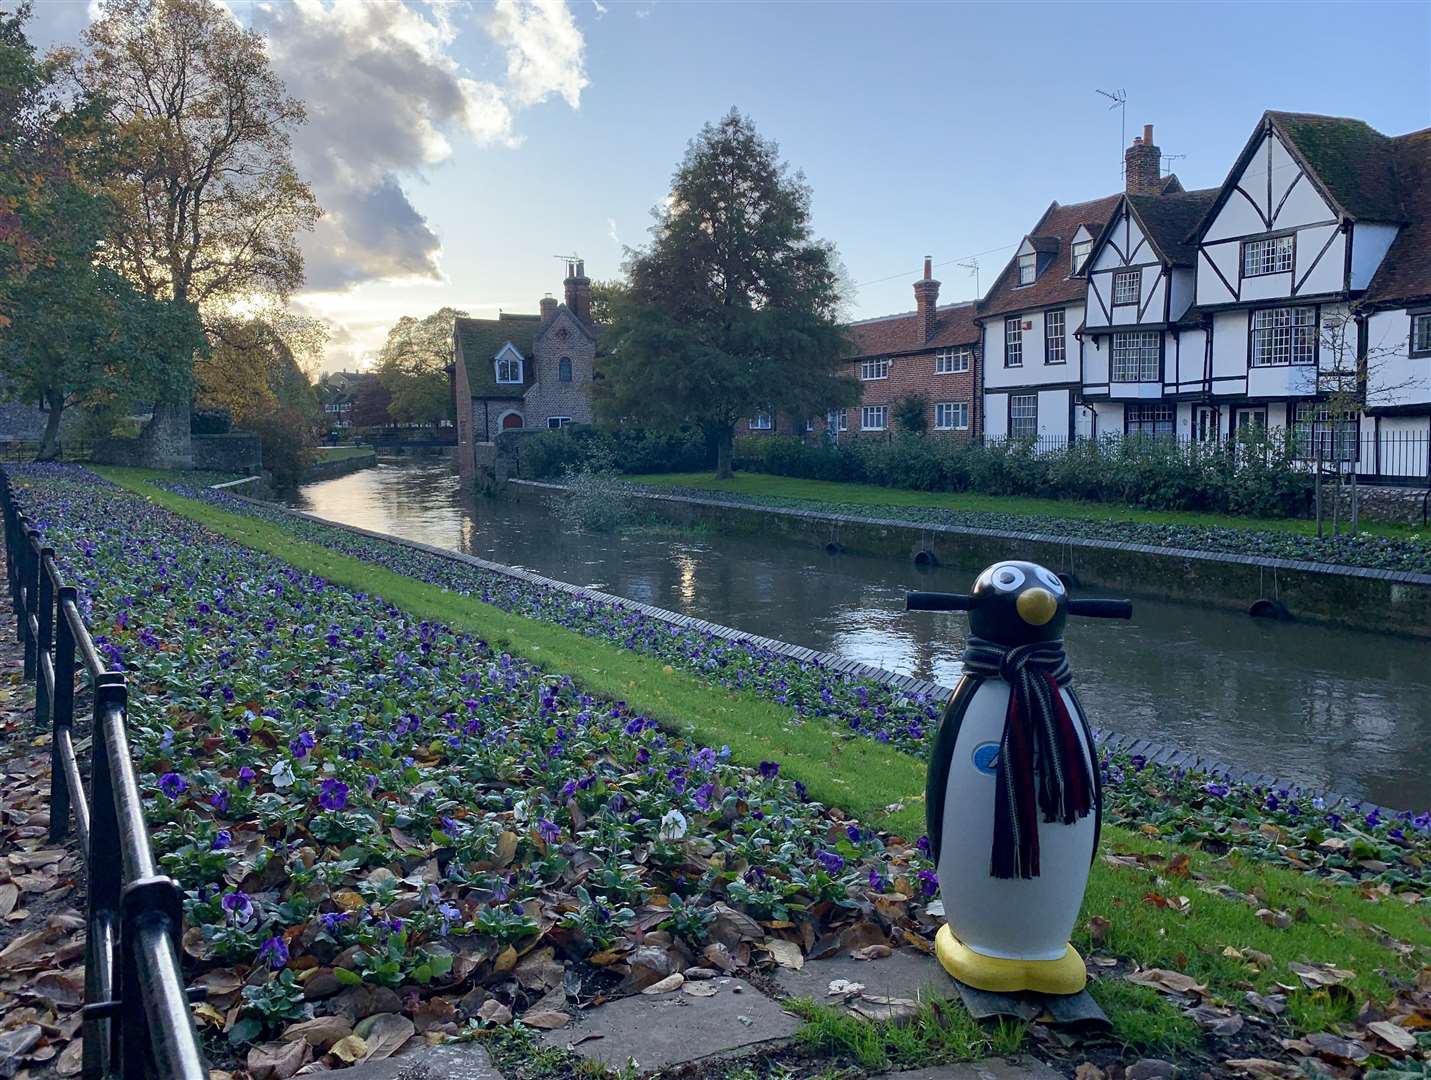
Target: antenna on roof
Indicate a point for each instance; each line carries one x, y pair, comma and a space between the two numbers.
1167, 158
1119, 98
972, 265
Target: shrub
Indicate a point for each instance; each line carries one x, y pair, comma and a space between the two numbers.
546, 455
597, 498
286, 441
911, 414
210, 422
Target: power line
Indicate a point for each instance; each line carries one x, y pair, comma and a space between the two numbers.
943, 262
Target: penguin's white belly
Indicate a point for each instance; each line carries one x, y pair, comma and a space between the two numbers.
1016, 918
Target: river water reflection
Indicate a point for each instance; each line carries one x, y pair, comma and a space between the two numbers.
1332, 708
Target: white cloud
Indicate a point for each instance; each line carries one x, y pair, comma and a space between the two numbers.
611, 230
600, 8
544, 50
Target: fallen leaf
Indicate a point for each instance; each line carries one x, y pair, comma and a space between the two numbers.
1338, 1049
1393, 1035
1169, 982
546, 1019
701, 989
385, 1034
349, 1049
1098, 928
875, 1007
786, 953
872, 952
666, 985
1264, 1067
72, 1060
276, 1060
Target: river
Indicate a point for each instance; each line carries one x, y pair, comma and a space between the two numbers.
1327, 707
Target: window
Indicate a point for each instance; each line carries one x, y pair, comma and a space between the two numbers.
1153, 418
1126, 285
1320, 434
558, 421
1028, 268
953, 361
1023, 415
874, 417
951, 416
564, 369
1080, 254
1421, 334
760, 422
509, 370
1055, 347
874, 369
1284, 336
1135, 356
1013, 343
837, 420
1270, 256
809, 425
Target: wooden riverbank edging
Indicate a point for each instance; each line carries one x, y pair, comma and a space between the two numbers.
916, 689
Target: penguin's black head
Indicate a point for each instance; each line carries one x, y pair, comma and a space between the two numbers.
1018, 603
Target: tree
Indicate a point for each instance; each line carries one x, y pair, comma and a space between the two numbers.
911, 414
209, 203
253, 367
412, 366
604, 295
733, 308
75, 332
371, 404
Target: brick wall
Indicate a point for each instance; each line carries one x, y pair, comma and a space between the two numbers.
549, 396
914, 374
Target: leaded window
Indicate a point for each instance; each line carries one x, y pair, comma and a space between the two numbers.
1148, 418
1126, 285
1136, 356
1270, 256
1284, 336
1321, 434
1421, 334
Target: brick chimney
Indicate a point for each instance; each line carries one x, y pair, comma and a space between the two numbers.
578, 290
1142, 163
549, 308
926, 297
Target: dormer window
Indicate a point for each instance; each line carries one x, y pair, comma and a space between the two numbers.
1081, 249
1028, 268
509, 367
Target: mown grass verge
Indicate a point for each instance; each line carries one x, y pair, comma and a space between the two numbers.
829, 492
1132, 909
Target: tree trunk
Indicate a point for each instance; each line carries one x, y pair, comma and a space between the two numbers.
725, 440
50, 440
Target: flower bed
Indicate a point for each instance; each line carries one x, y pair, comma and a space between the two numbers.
1344, 843
1363, 550
357, 802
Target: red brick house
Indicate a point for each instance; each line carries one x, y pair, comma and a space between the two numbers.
931, 351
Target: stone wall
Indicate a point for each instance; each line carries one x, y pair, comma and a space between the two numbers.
549, 396
236, 452
328, 470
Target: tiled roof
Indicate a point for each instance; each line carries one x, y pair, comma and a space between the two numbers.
895, 334
1053, 285
1353, 161
482, 339
1405, 272
1170, 218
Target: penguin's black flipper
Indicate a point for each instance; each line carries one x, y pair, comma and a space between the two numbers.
941, 755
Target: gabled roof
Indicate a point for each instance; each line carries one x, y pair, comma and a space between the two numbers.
1166, 220
481, 339
892, 335
1405, 273
1054, 284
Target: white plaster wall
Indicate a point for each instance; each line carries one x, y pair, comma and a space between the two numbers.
1369, 245
1393, 376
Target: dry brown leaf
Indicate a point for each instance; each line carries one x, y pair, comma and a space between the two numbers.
872, 952
666, 985
1393, 1035
546, 1019
1169, 982
349, 1049
385, 1034
277, 1061
72, 1059
786, 953
1264, 1067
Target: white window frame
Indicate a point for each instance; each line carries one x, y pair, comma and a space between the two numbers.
1028, 263
837, 420
951, 416
1055, 346
1135, 356
1014, 342
870, 370
1123, 282
1022, 412
762, 422
556, 422
1420, 340
1313, 425
1162, 423
877, 413
1078, 263
1268, 255
509, 361
954, 361
1283, 337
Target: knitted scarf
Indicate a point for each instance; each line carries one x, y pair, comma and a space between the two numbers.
1041, 759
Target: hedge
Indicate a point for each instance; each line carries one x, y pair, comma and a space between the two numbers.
547, 455
1256, 475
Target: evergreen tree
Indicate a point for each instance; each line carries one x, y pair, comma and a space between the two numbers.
733, 308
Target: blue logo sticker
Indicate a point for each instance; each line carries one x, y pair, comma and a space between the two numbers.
986, 758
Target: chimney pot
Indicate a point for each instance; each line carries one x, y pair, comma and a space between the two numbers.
926, 299
928, 268
1148, 133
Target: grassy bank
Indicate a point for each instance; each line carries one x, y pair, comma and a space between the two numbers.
828, 492
1228, 923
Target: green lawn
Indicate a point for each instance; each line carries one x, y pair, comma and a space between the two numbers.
1333, 923
831, 492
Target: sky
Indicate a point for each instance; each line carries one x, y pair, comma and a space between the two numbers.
461, 149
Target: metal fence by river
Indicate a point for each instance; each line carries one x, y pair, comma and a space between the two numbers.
1328, 707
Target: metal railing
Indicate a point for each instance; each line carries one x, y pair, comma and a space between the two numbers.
137, 1021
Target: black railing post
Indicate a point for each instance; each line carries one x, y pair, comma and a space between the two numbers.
30, 565
149, 905
62, 713
45, 629
106, 874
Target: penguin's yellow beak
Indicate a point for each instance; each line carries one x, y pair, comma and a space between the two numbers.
1036, 606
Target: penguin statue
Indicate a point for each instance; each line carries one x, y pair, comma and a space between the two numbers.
1013, 801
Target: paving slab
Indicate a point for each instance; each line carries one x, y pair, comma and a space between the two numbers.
661, 1030
452, 1061
903, 974
1019, 1068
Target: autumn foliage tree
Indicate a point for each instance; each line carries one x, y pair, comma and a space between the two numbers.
412, 366
733, 308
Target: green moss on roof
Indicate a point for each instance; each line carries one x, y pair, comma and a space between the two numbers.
1352, 160
481, 339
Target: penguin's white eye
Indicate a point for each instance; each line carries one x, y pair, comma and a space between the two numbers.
1007, 578
1049, 578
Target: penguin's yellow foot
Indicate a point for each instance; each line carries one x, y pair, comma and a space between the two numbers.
1066, 975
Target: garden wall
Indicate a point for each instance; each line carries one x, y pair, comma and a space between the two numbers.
234, 452
1386, 601
328, 470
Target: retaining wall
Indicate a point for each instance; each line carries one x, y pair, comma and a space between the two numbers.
328, 470
1385, 601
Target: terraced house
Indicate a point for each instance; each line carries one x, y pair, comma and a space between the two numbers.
523, 371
